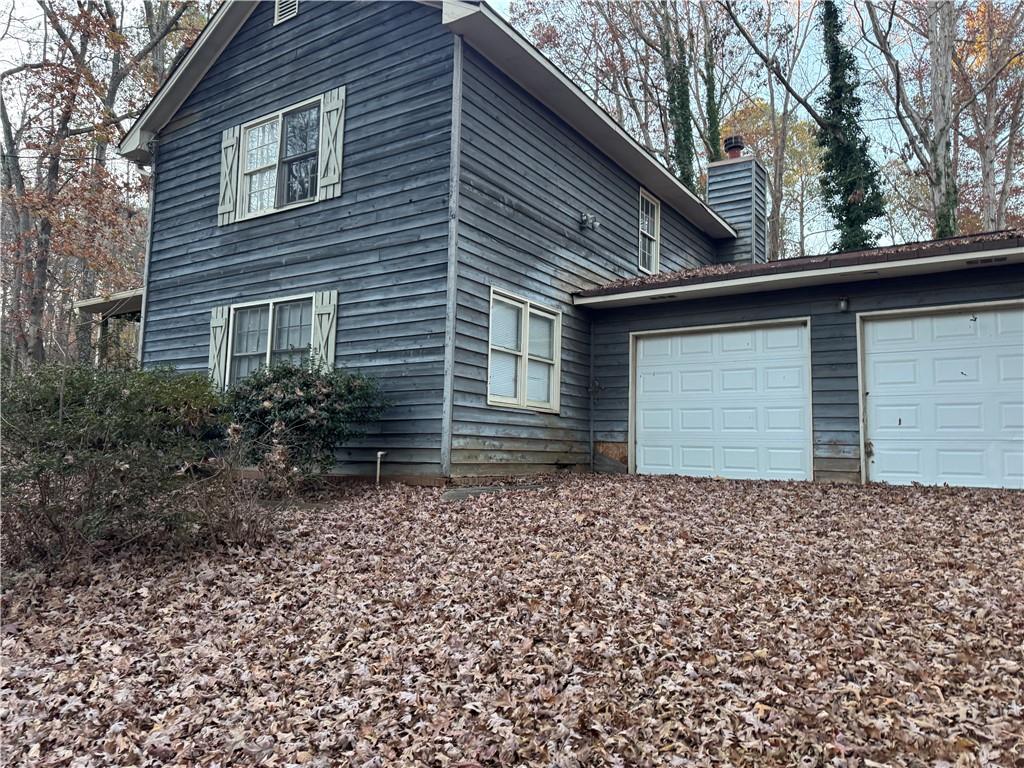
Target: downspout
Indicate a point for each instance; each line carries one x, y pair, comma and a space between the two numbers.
149, 248
592, 388
451, 284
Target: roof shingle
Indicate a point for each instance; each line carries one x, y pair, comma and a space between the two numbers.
985, 241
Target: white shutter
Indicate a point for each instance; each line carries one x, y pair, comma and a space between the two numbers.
332, 140
219, 346
325, 327
227, 200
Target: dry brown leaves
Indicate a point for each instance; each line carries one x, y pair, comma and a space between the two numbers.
600, 621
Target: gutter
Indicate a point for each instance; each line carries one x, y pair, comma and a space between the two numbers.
807, 277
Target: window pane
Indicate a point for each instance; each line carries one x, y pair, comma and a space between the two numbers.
251, 330
243, 365
249, 345
300, 180
542, 336
261, 189
505, 324
647, 253
302, 131
293, 323
538, 381
261, 145
504, 373
648, 216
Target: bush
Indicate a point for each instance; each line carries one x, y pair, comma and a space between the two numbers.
291, 418
88, 454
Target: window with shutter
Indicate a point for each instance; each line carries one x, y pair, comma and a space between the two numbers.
284, 160
523, 367
246, 337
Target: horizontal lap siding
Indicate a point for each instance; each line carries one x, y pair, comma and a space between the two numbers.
834, 396
525, 177
382, 244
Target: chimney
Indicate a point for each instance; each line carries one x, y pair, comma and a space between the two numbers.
738, 192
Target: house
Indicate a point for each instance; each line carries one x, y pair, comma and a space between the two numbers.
413, 191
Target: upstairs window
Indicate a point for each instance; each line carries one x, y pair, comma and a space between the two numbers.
524, 350
280, 159
650, 233
285, 9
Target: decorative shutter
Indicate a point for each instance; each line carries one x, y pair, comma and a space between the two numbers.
332, 140
227, 201
325, 327
219, 346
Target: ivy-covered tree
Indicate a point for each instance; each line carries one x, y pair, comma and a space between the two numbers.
849, 178
680, 116
714, 139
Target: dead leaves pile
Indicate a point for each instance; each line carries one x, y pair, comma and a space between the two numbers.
596, 621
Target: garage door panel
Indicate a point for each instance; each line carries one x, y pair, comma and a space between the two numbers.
696, 419
697, 460
1011, 368
944, 397
740, 403
785, 339
738, 380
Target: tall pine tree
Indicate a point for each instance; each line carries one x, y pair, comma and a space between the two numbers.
849, 177
680, 117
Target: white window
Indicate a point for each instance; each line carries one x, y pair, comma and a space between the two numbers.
285, 9
270, 332
280, 156
523, 368
650, 233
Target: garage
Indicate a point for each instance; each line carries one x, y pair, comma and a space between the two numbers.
943, 396
729, 402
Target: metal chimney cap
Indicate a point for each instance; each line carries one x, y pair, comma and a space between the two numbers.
733, 145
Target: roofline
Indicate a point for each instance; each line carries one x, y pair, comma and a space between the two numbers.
498, 42
218, 32
501, 44
807, 277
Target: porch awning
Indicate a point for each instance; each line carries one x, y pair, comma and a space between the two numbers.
121, 304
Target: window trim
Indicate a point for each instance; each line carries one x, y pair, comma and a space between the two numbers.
656, 266
270, 303
526, 307
242, 202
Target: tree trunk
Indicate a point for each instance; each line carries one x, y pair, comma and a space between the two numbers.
941, 28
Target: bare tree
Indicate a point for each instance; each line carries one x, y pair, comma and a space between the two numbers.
989, 79
72, 99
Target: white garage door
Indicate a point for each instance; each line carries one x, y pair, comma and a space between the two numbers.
731, 403
944, 398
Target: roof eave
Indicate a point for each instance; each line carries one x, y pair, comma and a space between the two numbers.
806, 278
201, 56
503, 46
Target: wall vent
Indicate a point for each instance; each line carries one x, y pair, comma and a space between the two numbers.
285, 9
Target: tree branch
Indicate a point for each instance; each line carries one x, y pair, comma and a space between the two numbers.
774, 67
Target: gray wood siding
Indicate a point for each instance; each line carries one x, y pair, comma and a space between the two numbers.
525, 177
738, 192
835, 416
382, 243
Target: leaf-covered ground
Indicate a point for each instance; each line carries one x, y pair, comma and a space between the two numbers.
596, 621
